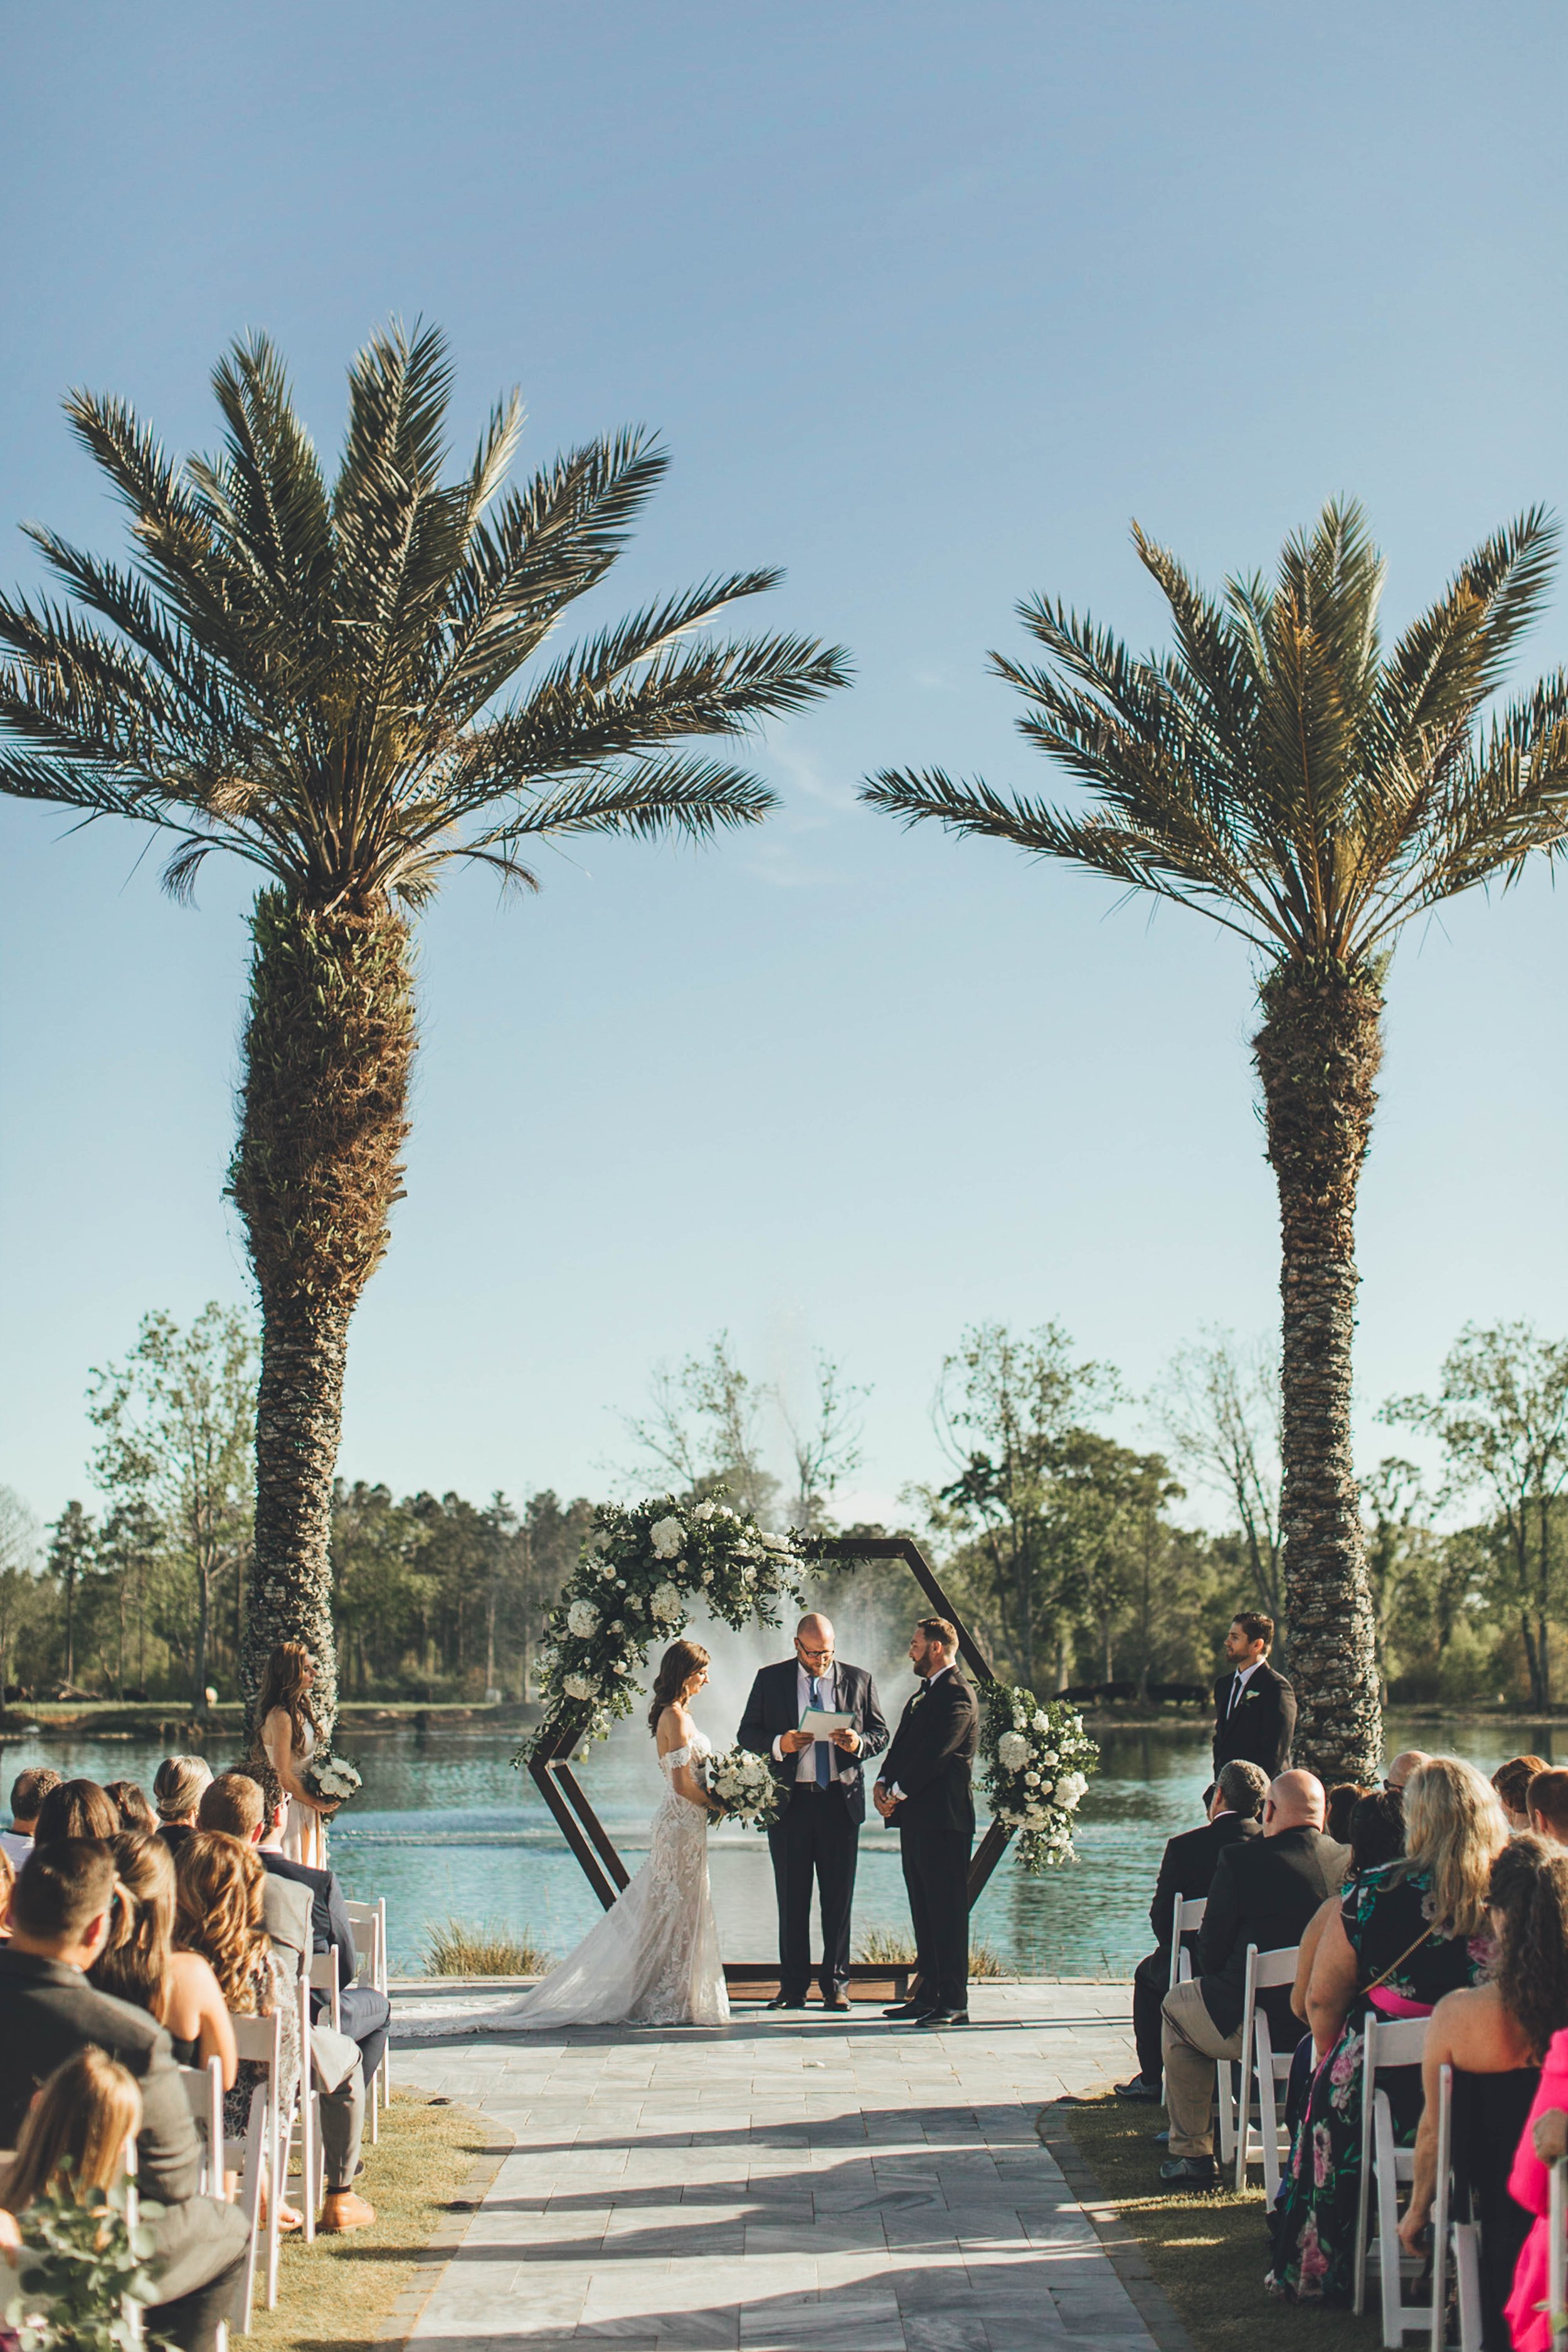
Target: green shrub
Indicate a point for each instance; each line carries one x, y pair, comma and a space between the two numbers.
457, 1948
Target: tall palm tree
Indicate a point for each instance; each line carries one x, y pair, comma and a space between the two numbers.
312, 680
1283, 774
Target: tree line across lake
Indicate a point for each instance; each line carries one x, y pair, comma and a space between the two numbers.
1079, 1558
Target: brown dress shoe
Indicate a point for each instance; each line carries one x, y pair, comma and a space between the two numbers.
341, 2209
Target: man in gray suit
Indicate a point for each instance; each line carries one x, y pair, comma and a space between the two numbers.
59, 1924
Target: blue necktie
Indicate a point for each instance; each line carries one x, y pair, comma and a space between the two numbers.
824, 1753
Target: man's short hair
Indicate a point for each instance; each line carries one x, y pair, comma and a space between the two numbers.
1242, 1788
29, 1789
1549, 1796
232, 1803
1512, 1780
1256, 1626
937, 1629
259, 1769
61, 1888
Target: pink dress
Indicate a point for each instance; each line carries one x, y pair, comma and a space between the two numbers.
1530, 2185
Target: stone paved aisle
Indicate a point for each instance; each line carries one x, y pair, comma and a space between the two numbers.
797, 2184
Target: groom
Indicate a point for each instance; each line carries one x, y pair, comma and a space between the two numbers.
817, 1834
924, 1792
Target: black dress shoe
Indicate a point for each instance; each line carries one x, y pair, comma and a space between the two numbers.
945, 2017
1190, 2172
783, 2001
834, 2000
908, 2010
1138, 2089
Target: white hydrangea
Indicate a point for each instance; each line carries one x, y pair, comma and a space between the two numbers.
666, 1536
546, 1660
580, 1687
1071, 1787
582, 1619
664, 1605
1012, 1750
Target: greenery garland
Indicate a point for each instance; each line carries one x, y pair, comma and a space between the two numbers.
1035, 1760
640, 1568
84, 2259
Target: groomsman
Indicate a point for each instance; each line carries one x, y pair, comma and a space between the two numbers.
1254, 1707
817, 1836
924, 1788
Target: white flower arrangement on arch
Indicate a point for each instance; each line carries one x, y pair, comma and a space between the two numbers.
640, 1572
1035, 1759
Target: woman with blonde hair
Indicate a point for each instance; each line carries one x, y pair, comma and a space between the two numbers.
140, 1963
218, 1909
289, 1732
177, 1789
76, 2130
1405, 1935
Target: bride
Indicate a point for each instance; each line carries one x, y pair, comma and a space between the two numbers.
653, 1958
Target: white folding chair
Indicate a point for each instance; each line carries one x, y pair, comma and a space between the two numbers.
1187, 1918
204, 2087
247, 2156
324, 1979
1265, 1970
1385, 2170
305, 2123
130, 2311
369, 1922
260, 2040
1557, 2255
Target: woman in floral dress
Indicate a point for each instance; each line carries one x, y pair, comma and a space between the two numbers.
1405, 1935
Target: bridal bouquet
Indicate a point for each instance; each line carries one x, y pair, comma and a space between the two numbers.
744, 1787
1035, 1756
331, 1778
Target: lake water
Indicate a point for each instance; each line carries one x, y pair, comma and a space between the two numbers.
445, 1827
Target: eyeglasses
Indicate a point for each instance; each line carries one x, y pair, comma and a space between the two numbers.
808, 1650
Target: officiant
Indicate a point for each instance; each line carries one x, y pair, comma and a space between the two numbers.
815, 1840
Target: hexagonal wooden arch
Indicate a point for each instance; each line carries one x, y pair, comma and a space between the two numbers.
592, 1842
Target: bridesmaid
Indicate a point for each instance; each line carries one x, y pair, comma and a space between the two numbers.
289, 1734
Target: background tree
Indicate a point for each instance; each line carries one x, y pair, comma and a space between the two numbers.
71, 1560
704, 1429
176, 1424
1278, 772
1219, 1403
1501, 1418
824, 1442
310, 678
21, 1554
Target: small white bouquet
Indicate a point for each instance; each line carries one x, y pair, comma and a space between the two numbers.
744, 1787
1035, 1758
332, 1778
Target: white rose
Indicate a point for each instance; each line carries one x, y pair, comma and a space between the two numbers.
1042, 1721
581, 1687
1071, 1789
1012, 1750
707, 1576
1031, 1780
1047, 1788
704, 1511
666, 1537
618, 1627
774, 1543
582, 1619
1048, 1755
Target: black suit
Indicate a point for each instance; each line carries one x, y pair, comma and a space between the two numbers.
1258, 1728
929, 1761
1187, 1872
816, 1837
49, 2012
1264, 1892
366, 2013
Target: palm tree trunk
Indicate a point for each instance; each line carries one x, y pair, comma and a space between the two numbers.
327, 1053
1317, 1053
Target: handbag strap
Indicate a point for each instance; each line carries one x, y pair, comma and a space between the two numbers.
1404, 1955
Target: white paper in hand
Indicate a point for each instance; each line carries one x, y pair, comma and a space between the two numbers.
818, 1724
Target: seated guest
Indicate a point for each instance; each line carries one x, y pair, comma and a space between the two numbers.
1544, 2141
1408, 1761
1405, 1935
177, 1788
1376, 1836
1547, 1798
217, 1912
28, 1790
1187, 1872
1494, 2036
140, 1963
366, 2014
61, 1911
1512, 1780
76, 1809
74, 2138
234, 1805
131, 1805
1264, 1892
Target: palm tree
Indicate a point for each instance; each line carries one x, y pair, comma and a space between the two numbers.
310, 679
1281, 772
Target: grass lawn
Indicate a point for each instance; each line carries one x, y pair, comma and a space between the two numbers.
1208, 2251
340, 2291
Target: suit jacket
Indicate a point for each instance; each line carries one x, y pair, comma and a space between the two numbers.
1187, 1866
330, 1928
1264, 1892
930, 1754
286, 1912
774, 1708
1262, 1725
48, 2012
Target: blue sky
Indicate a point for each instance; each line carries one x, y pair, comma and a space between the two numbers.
928, 302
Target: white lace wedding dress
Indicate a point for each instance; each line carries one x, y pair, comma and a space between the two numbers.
651, 1960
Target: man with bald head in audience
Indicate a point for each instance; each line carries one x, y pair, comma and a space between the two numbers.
1264, 1892
1409, 1760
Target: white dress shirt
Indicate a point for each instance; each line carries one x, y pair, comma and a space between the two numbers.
1243, 1676
806, 1759
18, 1848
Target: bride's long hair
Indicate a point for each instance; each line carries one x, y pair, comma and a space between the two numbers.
680, 1662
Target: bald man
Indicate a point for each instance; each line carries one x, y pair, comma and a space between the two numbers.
816, 1838
1264, 1892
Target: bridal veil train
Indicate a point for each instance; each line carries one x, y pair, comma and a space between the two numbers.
653, 1958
